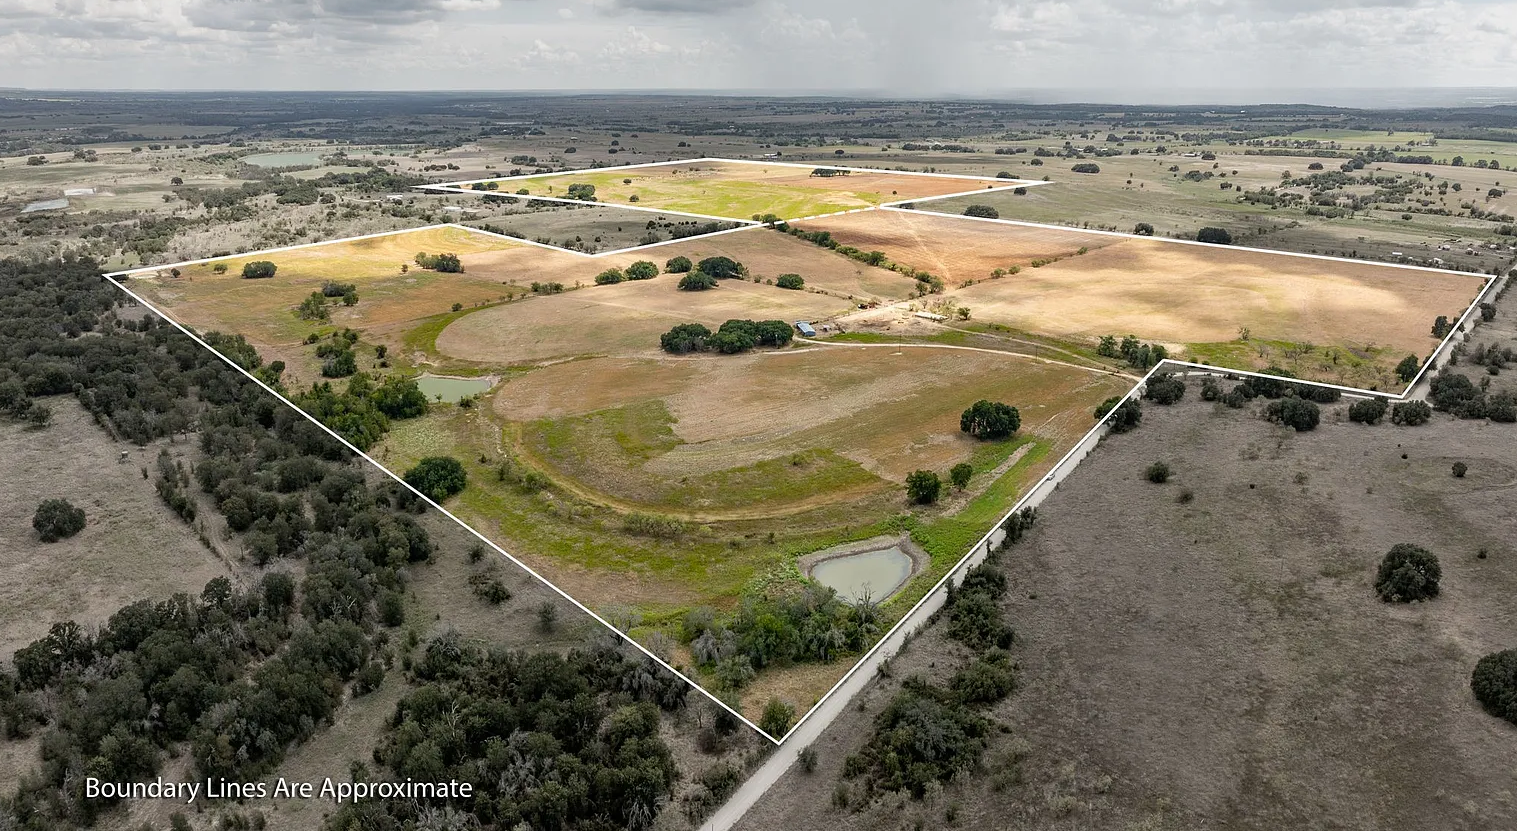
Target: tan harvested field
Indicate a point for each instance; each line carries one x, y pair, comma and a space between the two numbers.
951, 248
132, 547
1193, 294
1225, 663
617, 319
1181, 295
742, 191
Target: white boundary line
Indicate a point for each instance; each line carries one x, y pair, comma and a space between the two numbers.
444, 511
1456, 328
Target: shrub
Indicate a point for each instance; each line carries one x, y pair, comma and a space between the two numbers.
677, 265
437, 476
1143, 229
986, 680
1211, 390
1298, 414
960, 475
1460, 468
259, 269
57, 519
790, 281
610, 276
923, 487
642, 270
1494, 683
923, 736
722, 268
990, 420
1158, 473
1214, 235
1368, 411
1164, 388
1086, 167
697, 281
1408, 572
488, 587
685, 338
1125, 415
777, 718
1407, 369
1411, 413
983, 211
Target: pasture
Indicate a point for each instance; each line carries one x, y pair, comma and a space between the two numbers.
745, 191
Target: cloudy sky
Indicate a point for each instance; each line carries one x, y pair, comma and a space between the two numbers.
926, 47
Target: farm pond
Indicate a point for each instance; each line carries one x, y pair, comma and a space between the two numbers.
874, 568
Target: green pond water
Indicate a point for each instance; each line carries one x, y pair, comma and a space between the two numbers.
450, 389
283, 159
876, 574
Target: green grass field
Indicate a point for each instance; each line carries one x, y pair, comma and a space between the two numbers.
732, 198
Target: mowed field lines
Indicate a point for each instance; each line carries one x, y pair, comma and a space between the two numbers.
1237, 308
744, 191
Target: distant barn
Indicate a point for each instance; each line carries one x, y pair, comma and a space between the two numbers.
805, 329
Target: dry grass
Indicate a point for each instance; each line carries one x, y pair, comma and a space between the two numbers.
954, 249
132, 548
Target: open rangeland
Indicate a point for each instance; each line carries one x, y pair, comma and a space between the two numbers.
745, 191
1332, 321
132, 545
1221, 660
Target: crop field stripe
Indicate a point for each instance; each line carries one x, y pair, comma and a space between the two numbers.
1072, 230
707, 159
129, 272
565, 201
444, 511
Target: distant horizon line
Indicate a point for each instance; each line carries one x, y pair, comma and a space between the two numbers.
1382, 97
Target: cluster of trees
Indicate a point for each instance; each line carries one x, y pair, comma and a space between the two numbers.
795, 282
1214, 235
1164, 388
982, 211
1292, 403
990, 420
1457, 395
582, 192
812, 625
259, 269
361, 412
550, 741
734, 336
1137, 354
640, 270
445, 263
